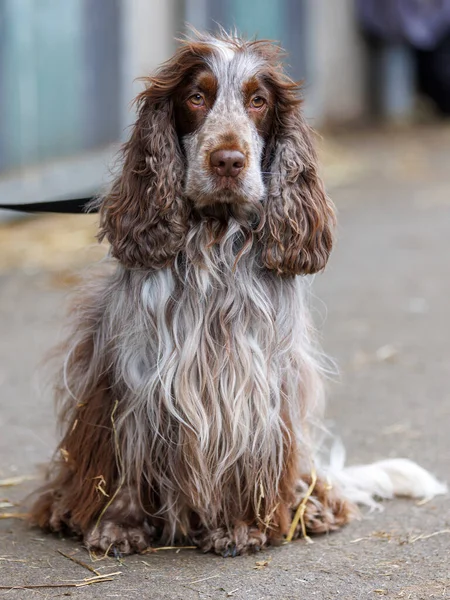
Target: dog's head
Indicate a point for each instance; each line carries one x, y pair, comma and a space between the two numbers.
219, 123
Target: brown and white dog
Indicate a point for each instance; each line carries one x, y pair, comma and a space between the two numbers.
192, 385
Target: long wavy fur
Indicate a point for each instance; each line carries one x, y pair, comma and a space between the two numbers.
191, 389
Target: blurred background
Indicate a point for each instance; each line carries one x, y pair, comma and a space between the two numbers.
377, 88
68, 70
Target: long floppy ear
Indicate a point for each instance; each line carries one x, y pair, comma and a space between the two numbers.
299, 216
144, 216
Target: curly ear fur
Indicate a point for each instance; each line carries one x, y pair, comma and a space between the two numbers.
299, 216
145, 216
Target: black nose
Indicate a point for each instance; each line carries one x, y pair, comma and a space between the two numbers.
227, 163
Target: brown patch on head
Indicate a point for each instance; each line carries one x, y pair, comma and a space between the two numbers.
187, 60
263, 117
250, 87
187, 117
207, 83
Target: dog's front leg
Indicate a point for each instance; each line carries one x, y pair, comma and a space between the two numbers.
123, 527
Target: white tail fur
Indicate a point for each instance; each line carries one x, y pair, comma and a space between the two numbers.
384, 479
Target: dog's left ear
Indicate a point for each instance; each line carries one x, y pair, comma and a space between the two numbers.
300, 218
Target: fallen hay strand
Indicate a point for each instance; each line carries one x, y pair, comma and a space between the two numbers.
204, 579
158, 549
424, 536
48, 585
120, 465
262, 564
79, 562
105, 556
62, 584
100, 487
97, 577
14, 515
260, 499
14, 560
300, 512
11, 481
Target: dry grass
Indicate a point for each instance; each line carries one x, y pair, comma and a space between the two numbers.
119, 464
79, 562
300, 512
12, 481
54, 243
62, 584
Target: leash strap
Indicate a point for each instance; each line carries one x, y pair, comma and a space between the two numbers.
74, 206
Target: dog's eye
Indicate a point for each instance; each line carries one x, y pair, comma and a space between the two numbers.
197, 100
257, 102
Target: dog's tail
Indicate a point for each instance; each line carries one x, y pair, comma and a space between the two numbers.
367, 484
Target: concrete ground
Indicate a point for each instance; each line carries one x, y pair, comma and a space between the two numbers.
387, 292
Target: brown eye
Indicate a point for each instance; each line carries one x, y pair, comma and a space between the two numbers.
197, 100
257, 102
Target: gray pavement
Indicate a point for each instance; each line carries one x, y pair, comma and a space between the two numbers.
386, 293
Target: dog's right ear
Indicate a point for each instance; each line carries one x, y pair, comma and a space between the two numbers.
300, 217
145, 216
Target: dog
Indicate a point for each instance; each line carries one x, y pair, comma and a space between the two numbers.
192, 385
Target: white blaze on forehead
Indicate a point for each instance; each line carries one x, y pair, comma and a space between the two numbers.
232, 69
227, 51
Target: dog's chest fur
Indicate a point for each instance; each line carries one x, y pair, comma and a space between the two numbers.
205, 358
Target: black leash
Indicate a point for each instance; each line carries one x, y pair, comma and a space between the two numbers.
73, 206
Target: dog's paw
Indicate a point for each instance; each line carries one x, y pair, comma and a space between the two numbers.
230, 543
325, 511
110, 537
51, 512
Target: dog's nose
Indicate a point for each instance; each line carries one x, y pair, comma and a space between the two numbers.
227, 163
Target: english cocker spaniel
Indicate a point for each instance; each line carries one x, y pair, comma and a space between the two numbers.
191, 388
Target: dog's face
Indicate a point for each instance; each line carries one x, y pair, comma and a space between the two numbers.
220, 123
224, 116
